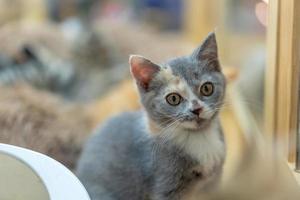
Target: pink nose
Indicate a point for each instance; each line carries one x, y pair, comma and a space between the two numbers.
196, 111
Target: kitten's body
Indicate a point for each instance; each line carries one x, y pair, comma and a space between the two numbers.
171, 150
130, 164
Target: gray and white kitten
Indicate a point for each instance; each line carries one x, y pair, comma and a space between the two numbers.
171, 150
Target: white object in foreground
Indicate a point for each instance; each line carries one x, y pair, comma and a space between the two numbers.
26, 174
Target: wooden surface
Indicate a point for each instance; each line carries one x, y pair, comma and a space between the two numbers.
282, 73
271, 72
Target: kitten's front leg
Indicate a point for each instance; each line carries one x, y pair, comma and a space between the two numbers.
166, 194
171, 185
184, 184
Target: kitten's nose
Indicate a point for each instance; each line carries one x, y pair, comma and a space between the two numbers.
197, 111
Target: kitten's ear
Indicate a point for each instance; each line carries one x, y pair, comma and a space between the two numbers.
208, 50
143, 70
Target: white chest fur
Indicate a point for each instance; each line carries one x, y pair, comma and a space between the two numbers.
206, 147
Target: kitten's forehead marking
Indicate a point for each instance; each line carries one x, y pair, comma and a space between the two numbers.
176, 83
167, 73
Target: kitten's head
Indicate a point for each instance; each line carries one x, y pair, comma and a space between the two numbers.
187, 91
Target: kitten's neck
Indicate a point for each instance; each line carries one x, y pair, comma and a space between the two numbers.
156, 129
205, 145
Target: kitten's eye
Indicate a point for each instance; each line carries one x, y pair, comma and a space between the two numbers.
207, 89
174, 99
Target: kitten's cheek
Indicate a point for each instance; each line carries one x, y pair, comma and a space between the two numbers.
207, 114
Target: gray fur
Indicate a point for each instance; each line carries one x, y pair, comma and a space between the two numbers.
127, 159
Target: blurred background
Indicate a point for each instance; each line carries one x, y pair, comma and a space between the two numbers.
64, 64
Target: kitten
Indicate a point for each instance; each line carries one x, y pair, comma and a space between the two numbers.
172, 149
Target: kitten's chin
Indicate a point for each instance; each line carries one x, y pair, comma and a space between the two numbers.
195, 125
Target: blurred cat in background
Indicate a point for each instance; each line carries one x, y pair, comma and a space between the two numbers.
40, 121
47, 58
